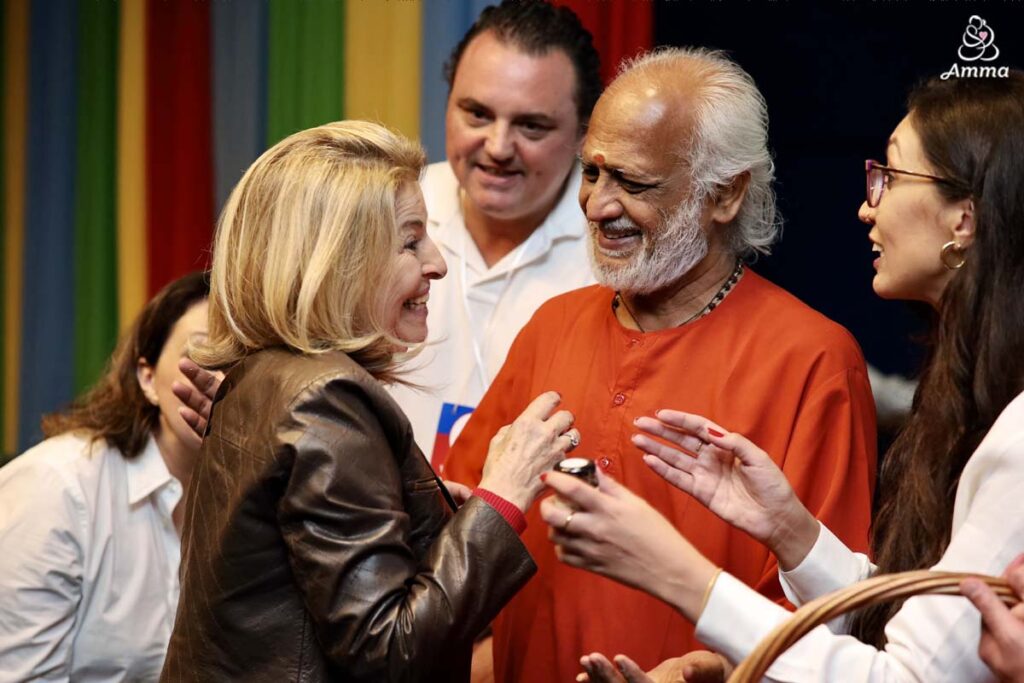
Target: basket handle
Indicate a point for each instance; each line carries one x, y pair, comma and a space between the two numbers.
875, 590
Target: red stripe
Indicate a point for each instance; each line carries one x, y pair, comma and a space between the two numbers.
179, 158
621, 28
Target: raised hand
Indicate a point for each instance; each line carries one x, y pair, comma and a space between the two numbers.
197, 396
730, 476
531, 445
613, 532
699, 666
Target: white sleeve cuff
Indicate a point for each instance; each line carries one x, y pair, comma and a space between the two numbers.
737, 618
829, 566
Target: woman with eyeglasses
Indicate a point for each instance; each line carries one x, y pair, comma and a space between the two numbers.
946, 216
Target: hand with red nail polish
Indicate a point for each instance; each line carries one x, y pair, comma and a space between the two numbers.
730, 476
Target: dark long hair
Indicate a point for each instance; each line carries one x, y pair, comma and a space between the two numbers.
115, 408
972, 131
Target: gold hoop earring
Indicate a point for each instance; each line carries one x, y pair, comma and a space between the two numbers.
952, 255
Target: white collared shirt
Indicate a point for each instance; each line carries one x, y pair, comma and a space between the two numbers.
475, 312
931, 638
88, 563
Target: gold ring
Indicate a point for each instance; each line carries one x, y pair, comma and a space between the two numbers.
565, 524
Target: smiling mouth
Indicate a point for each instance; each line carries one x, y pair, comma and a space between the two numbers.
497, 172
417, 304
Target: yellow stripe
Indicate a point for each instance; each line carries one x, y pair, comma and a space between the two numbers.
131, 162
15, 135
382, 63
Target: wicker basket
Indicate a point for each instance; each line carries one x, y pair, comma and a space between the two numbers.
875, 590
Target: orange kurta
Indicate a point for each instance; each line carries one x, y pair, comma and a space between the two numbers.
762, 364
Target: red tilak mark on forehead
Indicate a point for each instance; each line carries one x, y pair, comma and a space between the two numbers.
599, 158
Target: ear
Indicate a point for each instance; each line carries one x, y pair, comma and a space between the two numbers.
727, 201
961, 221
144, 373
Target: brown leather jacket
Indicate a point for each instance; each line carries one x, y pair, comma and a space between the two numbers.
317, 545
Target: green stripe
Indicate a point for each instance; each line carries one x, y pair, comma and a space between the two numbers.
95, 248
3, 237
305, 84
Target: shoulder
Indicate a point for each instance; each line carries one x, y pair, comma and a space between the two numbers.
1006, 437
792, 328
58, 477
589, 299
284, 385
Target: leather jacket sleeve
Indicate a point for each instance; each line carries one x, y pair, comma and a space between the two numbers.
376, 604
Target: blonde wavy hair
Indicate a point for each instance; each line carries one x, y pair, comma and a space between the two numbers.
304, 244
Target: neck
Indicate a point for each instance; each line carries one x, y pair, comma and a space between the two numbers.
680, 301
180, 461
496, 237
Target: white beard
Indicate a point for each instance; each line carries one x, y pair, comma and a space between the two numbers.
662, 258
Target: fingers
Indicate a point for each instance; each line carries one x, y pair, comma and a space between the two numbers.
695, 424
683, 481
204, 380
196, 423
672, 456
573, 491
995, 616
673, 435
631, 671
599, 669
542, 407
1015, 575
460, 492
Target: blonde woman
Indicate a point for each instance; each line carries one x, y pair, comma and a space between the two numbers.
318, 543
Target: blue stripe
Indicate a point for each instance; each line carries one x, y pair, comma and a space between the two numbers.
444, 24
240, 48
46, 372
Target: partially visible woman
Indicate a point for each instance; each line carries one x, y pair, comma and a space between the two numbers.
318, 542
90, 517
947, 219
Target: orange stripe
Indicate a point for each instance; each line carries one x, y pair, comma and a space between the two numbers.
131, 163
382, 77
16, 14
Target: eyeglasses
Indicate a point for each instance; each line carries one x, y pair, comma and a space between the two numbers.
875, 173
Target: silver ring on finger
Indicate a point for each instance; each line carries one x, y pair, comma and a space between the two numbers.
702, 445
565, 524
574, 439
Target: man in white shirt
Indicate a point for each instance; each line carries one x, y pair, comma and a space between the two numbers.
503, 207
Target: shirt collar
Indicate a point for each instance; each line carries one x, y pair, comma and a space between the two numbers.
147, 472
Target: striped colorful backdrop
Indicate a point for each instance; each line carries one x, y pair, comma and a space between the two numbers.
126, 124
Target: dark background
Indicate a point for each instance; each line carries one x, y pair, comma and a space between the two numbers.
836, 76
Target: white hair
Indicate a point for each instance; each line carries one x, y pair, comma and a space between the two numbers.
730, 137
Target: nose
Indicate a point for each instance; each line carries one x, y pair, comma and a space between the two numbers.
598, 200
866, 214
499, 145
434, 267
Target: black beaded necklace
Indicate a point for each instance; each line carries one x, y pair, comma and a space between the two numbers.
726, 287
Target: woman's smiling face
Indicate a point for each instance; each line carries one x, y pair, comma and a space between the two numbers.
413, 267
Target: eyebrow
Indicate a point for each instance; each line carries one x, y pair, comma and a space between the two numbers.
623, 174
526, 117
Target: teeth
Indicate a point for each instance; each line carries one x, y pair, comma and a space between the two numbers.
877, 247
421, 301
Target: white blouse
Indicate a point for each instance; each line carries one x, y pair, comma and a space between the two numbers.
932, 638
88, 563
